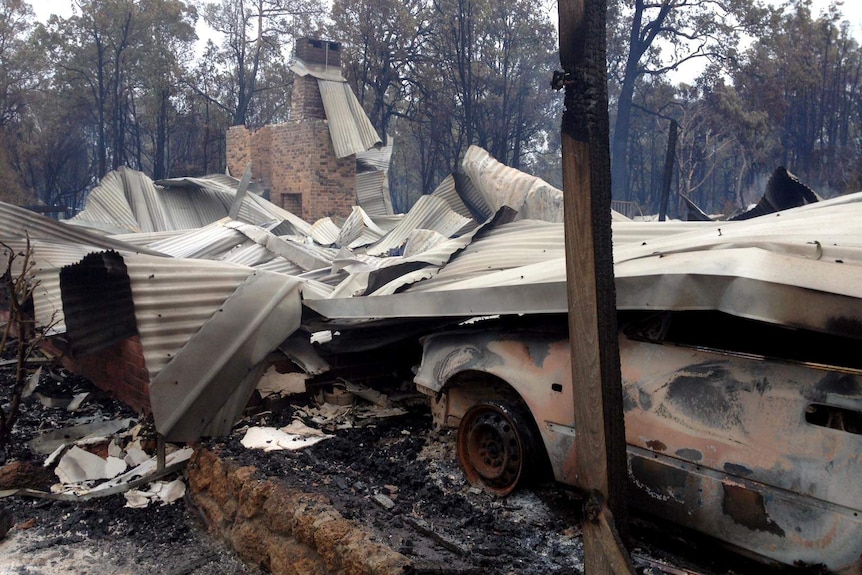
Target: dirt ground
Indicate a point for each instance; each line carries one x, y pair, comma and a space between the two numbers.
395, 475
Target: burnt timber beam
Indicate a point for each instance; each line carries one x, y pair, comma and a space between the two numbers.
600, 441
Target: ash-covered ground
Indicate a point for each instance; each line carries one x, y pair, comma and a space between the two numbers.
100, 536
395, 475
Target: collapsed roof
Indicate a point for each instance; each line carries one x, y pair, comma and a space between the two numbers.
211, 297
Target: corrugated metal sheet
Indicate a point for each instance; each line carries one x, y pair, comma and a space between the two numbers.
801, 268
209, 242
144, 239
359, 230
428, 213
349, 127
47, 259
376, 159
324, 232
472, 197
17, 223
173, 299
508, 246
200, 392
501, 185
446, 191
205, 329
250, 254
306, 256
372, 193
318, 71
254, 209
128, 201
107, 204
420, 241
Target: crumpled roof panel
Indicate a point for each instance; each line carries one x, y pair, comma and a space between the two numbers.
349, 127
428, 213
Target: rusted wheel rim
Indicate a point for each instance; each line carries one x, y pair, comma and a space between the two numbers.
490, 449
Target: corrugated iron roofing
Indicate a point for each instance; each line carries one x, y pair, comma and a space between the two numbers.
372, 193
305, 255
350, 129
128, 201
202, 393
173, 299
318, 71
500, 185
507, 246
17, 222
428, 213
208, 242
377, 159
47, 259
446, 191
324, 231
359, 230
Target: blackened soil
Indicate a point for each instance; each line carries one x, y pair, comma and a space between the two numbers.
437, 519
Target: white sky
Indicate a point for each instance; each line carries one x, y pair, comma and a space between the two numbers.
44, 8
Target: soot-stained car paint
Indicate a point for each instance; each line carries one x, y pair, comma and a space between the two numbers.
722, 443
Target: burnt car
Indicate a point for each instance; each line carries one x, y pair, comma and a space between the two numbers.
745, 431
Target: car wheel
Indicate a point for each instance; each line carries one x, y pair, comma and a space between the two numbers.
497, 446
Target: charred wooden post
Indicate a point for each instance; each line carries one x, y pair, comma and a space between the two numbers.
600, 442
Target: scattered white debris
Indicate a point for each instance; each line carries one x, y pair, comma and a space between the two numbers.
366, 393
166, 492
134, 455
272, 439
297, 427
77, 466
283, 383
32, 383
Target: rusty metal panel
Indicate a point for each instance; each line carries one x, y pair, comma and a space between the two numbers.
726, 445
538, 367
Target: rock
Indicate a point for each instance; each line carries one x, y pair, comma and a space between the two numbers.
19, 474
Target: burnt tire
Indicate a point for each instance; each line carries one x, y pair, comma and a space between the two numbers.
499, 447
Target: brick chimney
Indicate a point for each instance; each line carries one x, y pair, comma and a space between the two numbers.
319, 55
321, 52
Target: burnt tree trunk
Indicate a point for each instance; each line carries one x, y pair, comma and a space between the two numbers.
667, 177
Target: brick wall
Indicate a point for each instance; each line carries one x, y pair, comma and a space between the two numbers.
296, 164
304, 163
238, 144
120, 370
